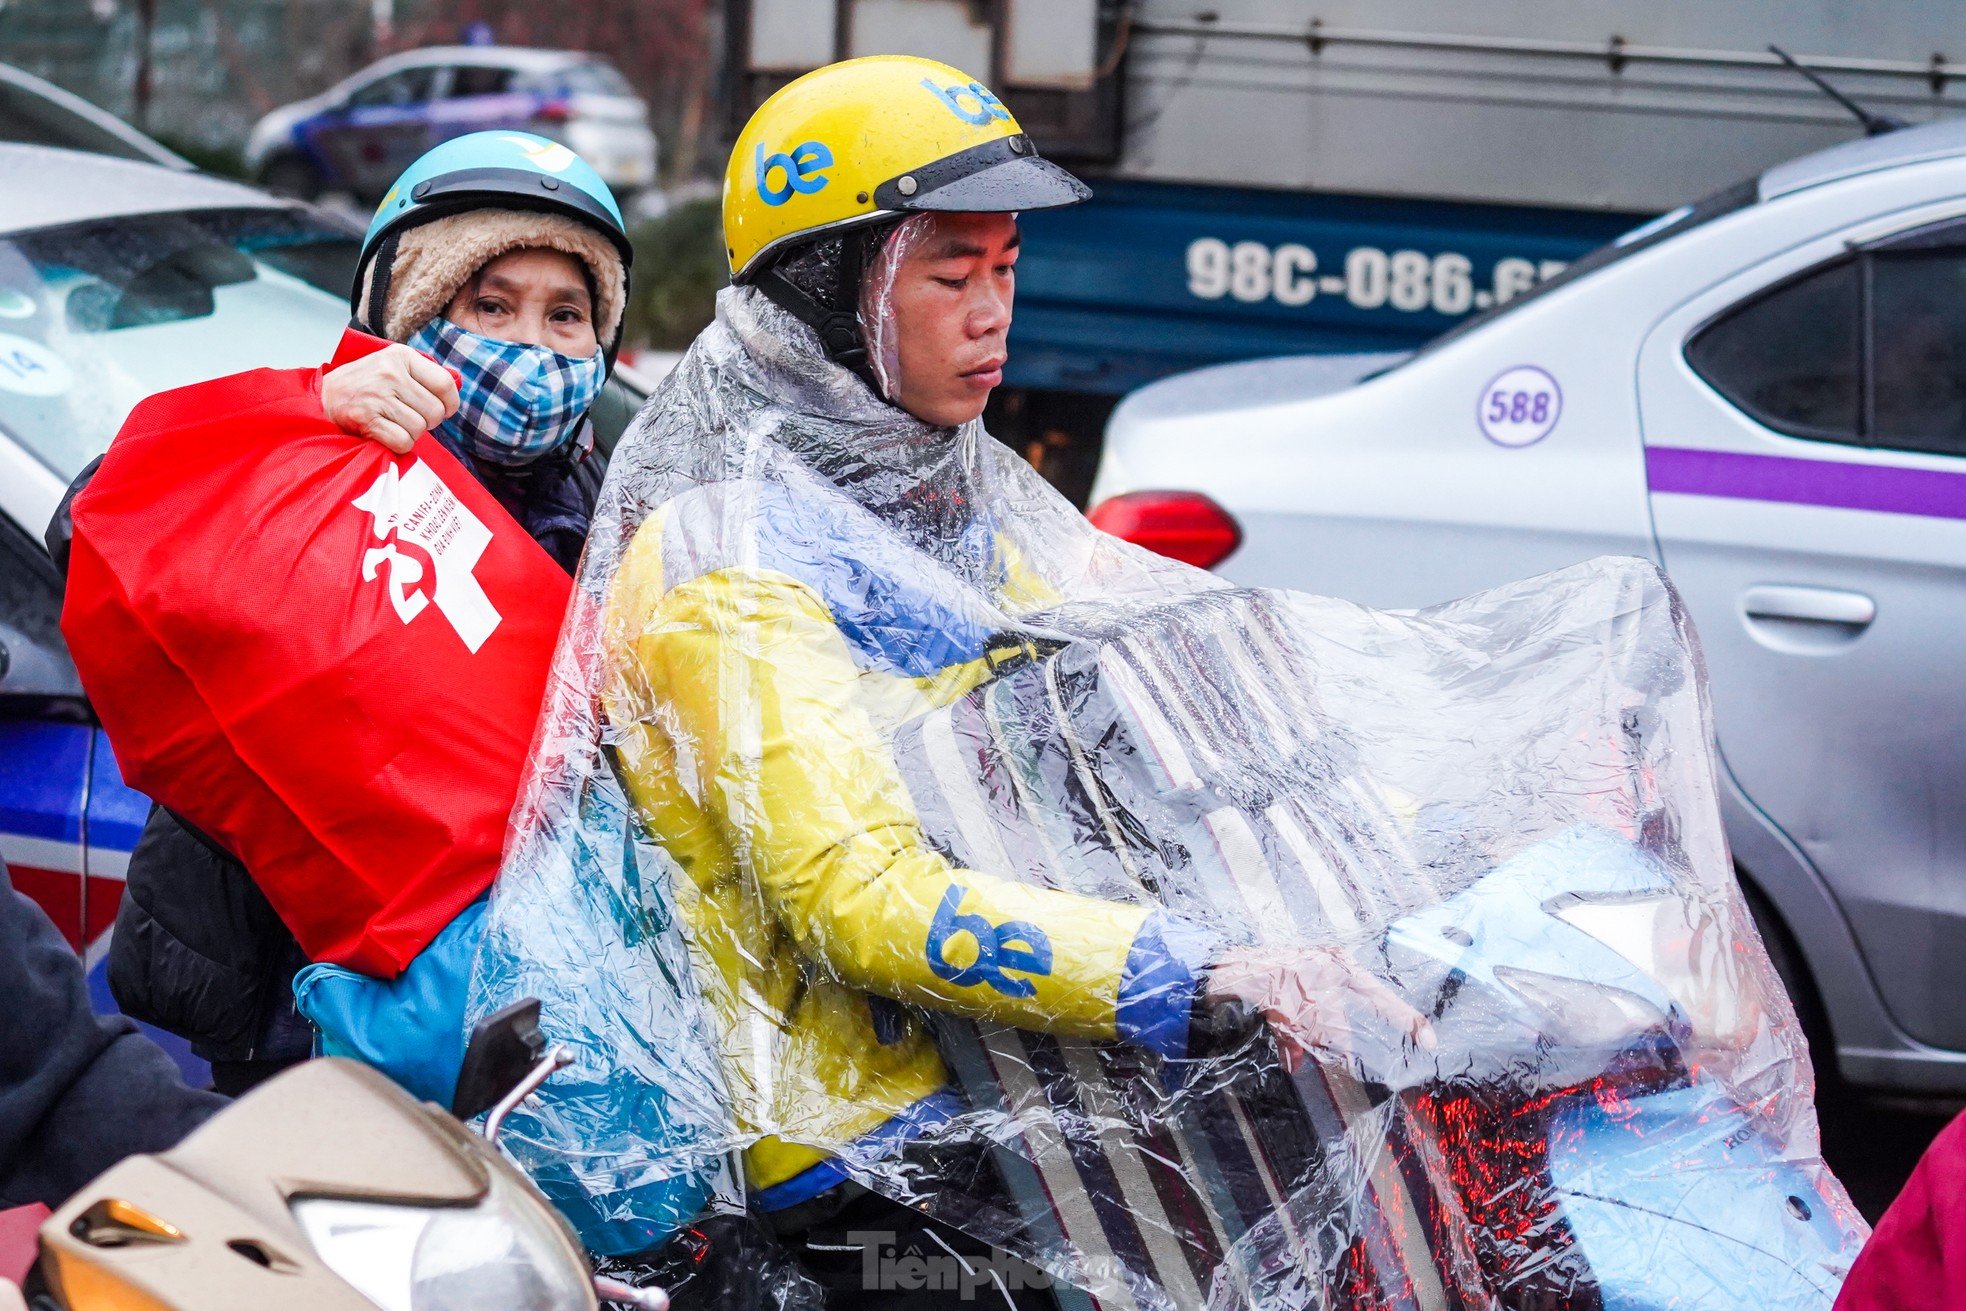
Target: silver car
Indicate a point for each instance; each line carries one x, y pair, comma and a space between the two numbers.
1766, 393
359, 135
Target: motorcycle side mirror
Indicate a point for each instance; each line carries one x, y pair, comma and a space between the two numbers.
504, 1049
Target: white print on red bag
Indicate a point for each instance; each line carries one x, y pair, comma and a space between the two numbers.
430, 542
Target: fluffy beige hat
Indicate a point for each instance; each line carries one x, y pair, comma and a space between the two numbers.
434, 260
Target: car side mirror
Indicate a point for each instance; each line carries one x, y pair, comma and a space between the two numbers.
505, 1048
37, 673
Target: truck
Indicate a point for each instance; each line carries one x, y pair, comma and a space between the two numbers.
1275, 177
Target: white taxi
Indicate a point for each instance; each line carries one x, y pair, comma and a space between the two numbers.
1764, 391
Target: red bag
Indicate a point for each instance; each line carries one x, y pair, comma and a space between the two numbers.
327, 657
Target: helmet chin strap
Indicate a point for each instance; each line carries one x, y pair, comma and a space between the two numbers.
839, 330
381, 270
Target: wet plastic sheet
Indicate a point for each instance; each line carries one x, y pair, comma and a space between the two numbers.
1207, 947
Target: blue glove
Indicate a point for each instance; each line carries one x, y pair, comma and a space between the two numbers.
412, 1027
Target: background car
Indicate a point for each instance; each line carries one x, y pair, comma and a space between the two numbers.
1766, 393
360, 135
37, 112
118, 280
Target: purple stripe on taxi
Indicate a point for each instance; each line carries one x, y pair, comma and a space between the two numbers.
1841, 484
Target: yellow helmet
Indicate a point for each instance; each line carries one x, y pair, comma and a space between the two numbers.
887, 135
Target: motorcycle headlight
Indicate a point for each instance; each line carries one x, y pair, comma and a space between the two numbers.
1580, 1013
503, 1252
1652, 933
1679, 945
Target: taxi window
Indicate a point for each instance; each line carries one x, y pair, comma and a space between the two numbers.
1790, 358
1868, 349
1918, 350
96, 316
30, 589
599, 79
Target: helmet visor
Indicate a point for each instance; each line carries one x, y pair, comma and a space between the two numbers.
509, 188
1003, 176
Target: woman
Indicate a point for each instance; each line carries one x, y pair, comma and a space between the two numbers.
501, 257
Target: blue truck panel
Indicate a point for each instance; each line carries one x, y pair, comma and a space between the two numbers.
1149, 278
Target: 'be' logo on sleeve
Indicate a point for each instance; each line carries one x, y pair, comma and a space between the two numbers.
799, 168
1013, 945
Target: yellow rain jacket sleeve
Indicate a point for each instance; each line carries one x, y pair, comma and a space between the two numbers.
779, 724
770, 702
760, 657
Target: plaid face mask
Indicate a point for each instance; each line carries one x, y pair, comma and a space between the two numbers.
518, 403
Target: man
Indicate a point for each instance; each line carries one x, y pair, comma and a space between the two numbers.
803, 544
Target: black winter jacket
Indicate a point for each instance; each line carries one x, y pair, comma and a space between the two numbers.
78, 1091
198, 950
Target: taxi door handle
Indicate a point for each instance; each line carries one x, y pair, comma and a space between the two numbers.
1806, 621
1815, 605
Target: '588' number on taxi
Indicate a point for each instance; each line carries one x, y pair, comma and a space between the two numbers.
1405, 280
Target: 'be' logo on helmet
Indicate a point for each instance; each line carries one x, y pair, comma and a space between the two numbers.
1013, 945
987, 106
801, 169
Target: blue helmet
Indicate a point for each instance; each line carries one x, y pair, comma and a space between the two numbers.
490, 170
510, 170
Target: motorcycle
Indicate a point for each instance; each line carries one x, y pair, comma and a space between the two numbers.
327, 1189
1600, 1164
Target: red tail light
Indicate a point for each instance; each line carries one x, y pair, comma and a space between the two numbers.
553, 111
1184, 526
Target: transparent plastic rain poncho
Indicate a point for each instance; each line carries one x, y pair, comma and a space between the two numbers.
890, 825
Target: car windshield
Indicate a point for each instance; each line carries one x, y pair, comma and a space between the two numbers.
1643, 237
96, 316
28, 116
